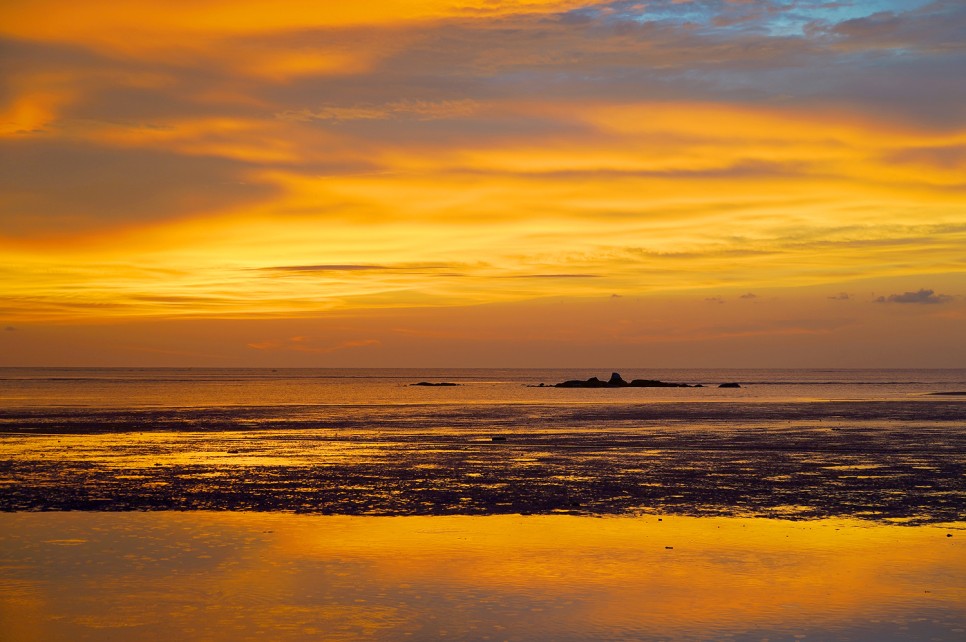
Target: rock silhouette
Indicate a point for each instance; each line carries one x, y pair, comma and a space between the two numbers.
616, 381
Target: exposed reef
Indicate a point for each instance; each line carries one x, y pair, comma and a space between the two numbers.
887, 461
431, 383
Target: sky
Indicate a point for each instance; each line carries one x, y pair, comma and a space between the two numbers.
659, 183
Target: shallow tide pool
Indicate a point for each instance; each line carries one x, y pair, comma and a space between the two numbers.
259, 576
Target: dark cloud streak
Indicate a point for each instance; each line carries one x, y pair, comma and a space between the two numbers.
923, 296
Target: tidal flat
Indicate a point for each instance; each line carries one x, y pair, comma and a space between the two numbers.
810, 461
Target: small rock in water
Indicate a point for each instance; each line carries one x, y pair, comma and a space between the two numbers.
616, 380
730, 385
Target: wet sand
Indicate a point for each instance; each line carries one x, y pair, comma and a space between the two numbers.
255, 576
879, 462
662, 536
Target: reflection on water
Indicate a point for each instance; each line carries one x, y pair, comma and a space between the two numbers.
247, 576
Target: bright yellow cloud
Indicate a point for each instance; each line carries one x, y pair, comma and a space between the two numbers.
160, 24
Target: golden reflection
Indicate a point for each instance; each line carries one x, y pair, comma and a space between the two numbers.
224, 575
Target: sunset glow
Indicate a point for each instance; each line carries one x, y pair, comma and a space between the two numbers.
435, 182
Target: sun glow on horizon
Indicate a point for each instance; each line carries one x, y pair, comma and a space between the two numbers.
227, 161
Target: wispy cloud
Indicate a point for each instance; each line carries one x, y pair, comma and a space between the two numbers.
416, 109
440, 269
323, 268
923, 296
552, 276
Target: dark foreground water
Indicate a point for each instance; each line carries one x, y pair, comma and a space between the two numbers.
876, 445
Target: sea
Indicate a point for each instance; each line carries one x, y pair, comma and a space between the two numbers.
874, 444
308, 387
352, 504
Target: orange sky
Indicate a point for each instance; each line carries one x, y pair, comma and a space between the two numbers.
536, 182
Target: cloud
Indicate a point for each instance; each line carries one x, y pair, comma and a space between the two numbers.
415, 109
936, 27
749, 296
409, 268
714, 299
737, 151
739, 169
59, 186
950, 157
10, 328
922, 296
324, 268
553, 276
841, 296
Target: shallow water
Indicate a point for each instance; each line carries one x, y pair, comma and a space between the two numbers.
226, 387
250, 576
801, 444
869, 464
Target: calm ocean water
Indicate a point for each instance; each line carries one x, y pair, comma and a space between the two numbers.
874, 444
221, 387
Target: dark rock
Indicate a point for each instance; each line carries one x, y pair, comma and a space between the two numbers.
429, 383
730, 385
593, 382
498, 438
616, 380
654, 383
